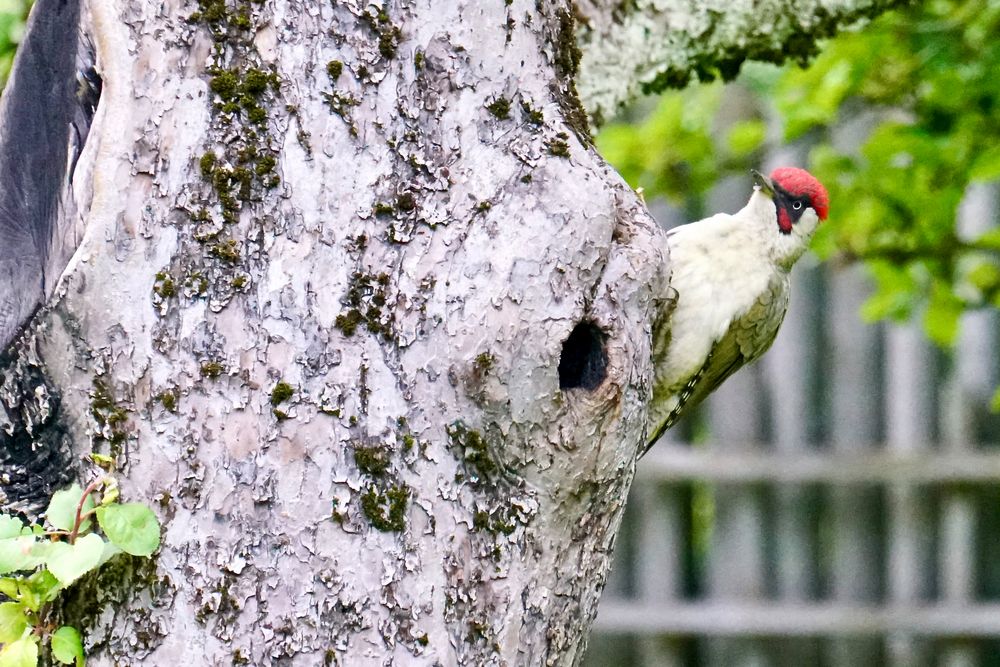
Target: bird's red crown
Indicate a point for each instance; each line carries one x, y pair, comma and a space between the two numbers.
798, 182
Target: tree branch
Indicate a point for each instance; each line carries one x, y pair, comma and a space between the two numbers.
646, 46
78, 521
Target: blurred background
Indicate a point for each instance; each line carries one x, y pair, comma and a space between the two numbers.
838, 503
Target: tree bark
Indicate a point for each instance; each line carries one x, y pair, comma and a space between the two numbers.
361, 310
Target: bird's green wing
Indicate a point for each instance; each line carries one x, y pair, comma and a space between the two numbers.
748, 337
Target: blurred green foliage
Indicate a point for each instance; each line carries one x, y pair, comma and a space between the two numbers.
13, 14
930, 77
671, 152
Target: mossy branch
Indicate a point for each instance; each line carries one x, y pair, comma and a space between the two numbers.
642, 47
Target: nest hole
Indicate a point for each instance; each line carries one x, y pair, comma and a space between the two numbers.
584, 359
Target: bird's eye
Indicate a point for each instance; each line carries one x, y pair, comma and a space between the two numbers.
797, 205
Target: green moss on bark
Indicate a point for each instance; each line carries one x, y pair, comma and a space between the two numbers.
386, 509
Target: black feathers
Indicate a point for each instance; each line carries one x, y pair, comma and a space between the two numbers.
45, 117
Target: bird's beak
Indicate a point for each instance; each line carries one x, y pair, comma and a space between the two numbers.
763, 183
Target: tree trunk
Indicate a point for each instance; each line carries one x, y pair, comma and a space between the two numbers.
359, 307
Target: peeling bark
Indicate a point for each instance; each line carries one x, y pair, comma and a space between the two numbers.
362, 313
634, 47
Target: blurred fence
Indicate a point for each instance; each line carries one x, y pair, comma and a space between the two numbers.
836, 504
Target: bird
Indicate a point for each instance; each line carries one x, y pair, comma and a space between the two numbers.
46, 113
728, 291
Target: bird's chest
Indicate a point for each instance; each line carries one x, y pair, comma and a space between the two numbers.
718, 286
715, 287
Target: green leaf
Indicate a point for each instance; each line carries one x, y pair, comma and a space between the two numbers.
22, 653
19, 553
12, 621
61, 513
894, 293
69, 562
39, 588
67, 646
111, 492
110, 551
986, 166
10, 526
995, 402
990, 240
103, 460
8, 587
942, 317
885, 303
132, 527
